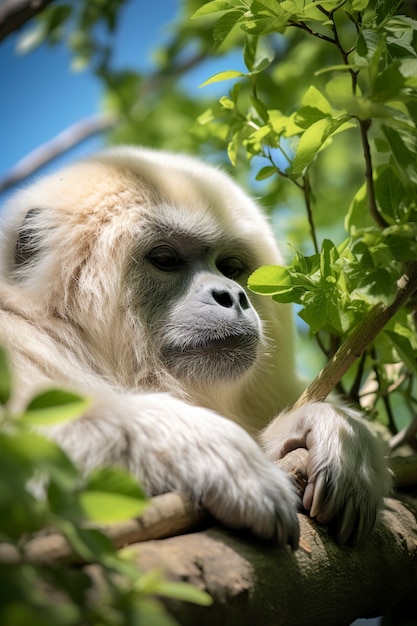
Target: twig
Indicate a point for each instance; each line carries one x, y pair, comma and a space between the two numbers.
373, 210
406, 436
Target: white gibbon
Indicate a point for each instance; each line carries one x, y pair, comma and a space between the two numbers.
124, 277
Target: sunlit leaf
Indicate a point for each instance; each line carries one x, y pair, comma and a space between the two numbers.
106, 508
54, 406
215, 6
183, 591
220, 76
152, 582
224, 25
312, 141
404, 349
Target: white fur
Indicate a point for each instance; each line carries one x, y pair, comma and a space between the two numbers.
81, 312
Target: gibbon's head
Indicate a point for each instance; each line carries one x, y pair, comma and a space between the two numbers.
148, 254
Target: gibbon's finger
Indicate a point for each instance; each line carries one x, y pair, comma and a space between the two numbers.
354, 525
315, 495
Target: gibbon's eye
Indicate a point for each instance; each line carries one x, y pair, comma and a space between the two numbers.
165, 258
231, 267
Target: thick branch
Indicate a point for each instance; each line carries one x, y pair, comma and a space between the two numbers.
321, 584
359, 340
15, 13
254, 582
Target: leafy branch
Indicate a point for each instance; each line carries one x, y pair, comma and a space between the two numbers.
373, 91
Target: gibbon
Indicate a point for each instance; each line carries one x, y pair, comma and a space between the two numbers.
124, 277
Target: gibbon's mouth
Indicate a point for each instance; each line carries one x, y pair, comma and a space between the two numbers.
227, 356
214, 343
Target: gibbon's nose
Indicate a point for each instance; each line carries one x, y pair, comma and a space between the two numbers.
226, 294
231, 299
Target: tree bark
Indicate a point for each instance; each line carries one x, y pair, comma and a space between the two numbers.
253, 582
256, 583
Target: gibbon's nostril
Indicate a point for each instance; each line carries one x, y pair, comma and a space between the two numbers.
229, 299
243, 301
223, 298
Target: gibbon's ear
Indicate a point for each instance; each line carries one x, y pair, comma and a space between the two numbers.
27, 244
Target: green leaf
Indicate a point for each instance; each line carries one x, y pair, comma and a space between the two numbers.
312, 141
185, 592
107, 508
404, 150
54, 405
315, 99
328, 256
89, 543
220, 76
258, 54
233, 147
115, 480
210, 8
389, 192
358, 216
359, 5
404, 349
284, 285
5, 378
224, 25
368, 43
112, 495
266, 172
389, 83
152, 582
269, 279
315, 312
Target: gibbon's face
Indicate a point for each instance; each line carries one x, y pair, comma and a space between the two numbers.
189, 287
150, 252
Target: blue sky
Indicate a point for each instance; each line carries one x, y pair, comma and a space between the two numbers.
42, 96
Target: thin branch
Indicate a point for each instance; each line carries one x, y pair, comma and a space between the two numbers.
406, 436
364, 126
310, 31
307, 198
67, 139
15, 13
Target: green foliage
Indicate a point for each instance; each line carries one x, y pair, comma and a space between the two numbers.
352, 111
40, 489
81, 24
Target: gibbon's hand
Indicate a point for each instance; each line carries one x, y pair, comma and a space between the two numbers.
172, 446
346, 472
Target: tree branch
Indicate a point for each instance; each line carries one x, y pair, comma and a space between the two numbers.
254, 582
15, 13
321, 584
67, 139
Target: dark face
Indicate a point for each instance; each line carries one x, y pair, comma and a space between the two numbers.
199, 315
